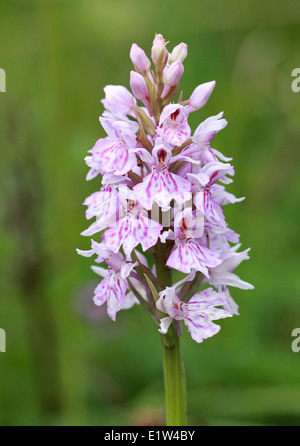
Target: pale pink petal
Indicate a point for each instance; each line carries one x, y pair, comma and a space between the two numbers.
129, 301
112, 290
229, 279
207, 130
188, 255
209, 208
132, 230
95, 227
118, 100
126, 269
115, 156
197, 314
85, 253
222, 197
201, 328
162, 187
99, 270
95, 168
230, 305
233, 259
221, 156
173, 125
102, 204
165, 324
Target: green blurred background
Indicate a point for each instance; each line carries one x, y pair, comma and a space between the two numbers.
66, 363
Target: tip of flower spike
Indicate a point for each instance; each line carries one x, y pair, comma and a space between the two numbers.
159, 52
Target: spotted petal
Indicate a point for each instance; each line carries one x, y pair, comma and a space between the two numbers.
209, 208
197, 314
207, 130
188, 254
102, 204
162, 187
114, 156
111, 289
173, 124
131, 230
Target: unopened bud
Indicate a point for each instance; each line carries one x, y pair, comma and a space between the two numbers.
139, 59
159, 52
172, 77
138, 86
200, 96
174, 73
179, 53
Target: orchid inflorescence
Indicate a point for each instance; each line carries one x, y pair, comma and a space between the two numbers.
162, 188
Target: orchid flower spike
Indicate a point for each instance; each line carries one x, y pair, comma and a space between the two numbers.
162, 192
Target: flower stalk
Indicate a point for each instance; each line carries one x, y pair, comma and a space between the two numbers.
174, 379
162, 192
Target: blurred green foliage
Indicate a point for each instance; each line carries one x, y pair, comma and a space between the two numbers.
67, 363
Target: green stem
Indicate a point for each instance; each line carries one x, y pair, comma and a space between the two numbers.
175, 387
174, 376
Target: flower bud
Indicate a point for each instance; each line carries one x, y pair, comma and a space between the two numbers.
159, 52
178, 53
200, 96
174, 73
138, 86
139, 59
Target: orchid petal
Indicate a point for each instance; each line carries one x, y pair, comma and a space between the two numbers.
186, 256
112, 289
165, 324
